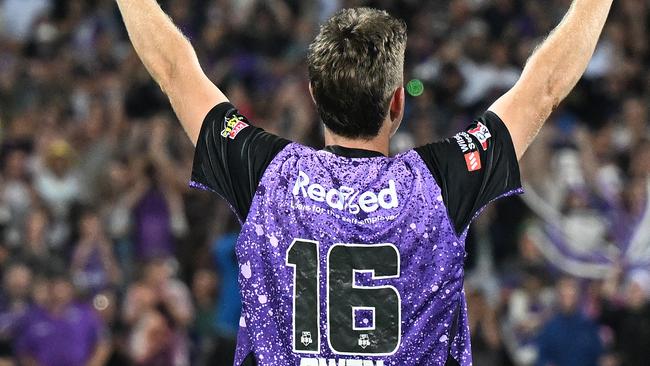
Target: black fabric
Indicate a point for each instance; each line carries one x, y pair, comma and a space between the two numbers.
249, 360
466, 186
352, 153
232, 166
452, 335
632, 327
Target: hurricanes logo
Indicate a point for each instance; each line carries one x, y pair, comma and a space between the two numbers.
364, 341
306, 338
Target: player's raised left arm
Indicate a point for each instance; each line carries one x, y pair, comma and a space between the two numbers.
171, 61
552, 71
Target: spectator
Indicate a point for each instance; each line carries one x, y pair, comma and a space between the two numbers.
56, 181
58, 185
528, 309
63, 332
629, 317
204, 286
16, 192
227, 308
14, 303
569, 338
18, 17
158, 309
158, 214
487, 346
36, 248
94, 267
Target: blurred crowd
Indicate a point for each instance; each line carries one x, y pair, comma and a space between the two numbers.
108, 258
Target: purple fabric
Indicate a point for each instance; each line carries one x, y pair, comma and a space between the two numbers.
153, 232
94, 276
67, 340
363, 319
430, 281
10, 317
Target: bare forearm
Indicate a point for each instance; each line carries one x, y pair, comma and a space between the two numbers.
559, 63
552, 71
172, 62
158, 42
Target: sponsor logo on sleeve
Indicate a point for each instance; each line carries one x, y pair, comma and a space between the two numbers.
234, 124
469, 150
473, 161
482, 133
465, 142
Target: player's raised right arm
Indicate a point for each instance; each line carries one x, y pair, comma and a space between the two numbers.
552, 72
171, 61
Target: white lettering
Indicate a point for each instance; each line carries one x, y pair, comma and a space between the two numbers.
330, 362
334, 194
368, 202
390, 192
301, 183
465, 142
461, 143
347, 198
339, 362
316, 192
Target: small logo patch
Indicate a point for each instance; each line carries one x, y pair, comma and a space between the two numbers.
482, 133
473, 161
465, 142
234, 125
305, 339
364, 341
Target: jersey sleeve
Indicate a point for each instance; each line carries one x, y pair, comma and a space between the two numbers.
231, 157
474, 168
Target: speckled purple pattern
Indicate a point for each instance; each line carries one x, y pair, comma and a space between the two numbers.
432, 256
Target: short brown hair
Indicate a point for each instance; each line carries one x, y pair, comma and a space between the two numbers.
355, 64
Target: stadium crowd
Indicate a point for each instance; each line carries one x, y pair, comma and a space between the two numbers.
107, 257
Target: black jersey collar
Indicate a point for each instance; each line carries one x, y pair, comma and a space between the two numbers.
351, 152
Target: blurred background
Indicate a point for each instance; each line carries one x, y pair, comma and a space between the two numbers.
108, 258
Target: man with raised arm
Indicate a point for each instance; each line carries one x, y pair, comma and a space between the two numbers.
348, 256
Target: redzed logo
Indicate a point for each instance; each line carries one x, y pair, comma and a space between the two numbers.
473, 161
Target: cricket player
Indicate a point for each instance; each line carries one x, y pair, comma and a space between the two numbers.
349, 256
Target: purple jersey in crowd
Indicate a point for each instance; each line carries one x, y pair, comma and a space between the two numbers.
68, 339
348, 257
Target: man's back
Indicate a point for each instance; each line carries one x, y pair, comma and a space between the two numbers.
356, 77
363, 243
346, 254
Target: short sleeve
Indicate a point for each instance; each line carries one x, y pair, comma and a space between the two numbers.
231, 156
474, 168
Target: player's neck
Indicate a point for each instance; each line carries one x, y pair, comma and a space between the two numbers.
379, 144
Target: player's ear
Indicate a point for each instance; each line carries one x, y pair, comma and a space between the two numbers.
397, 105
311, 92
